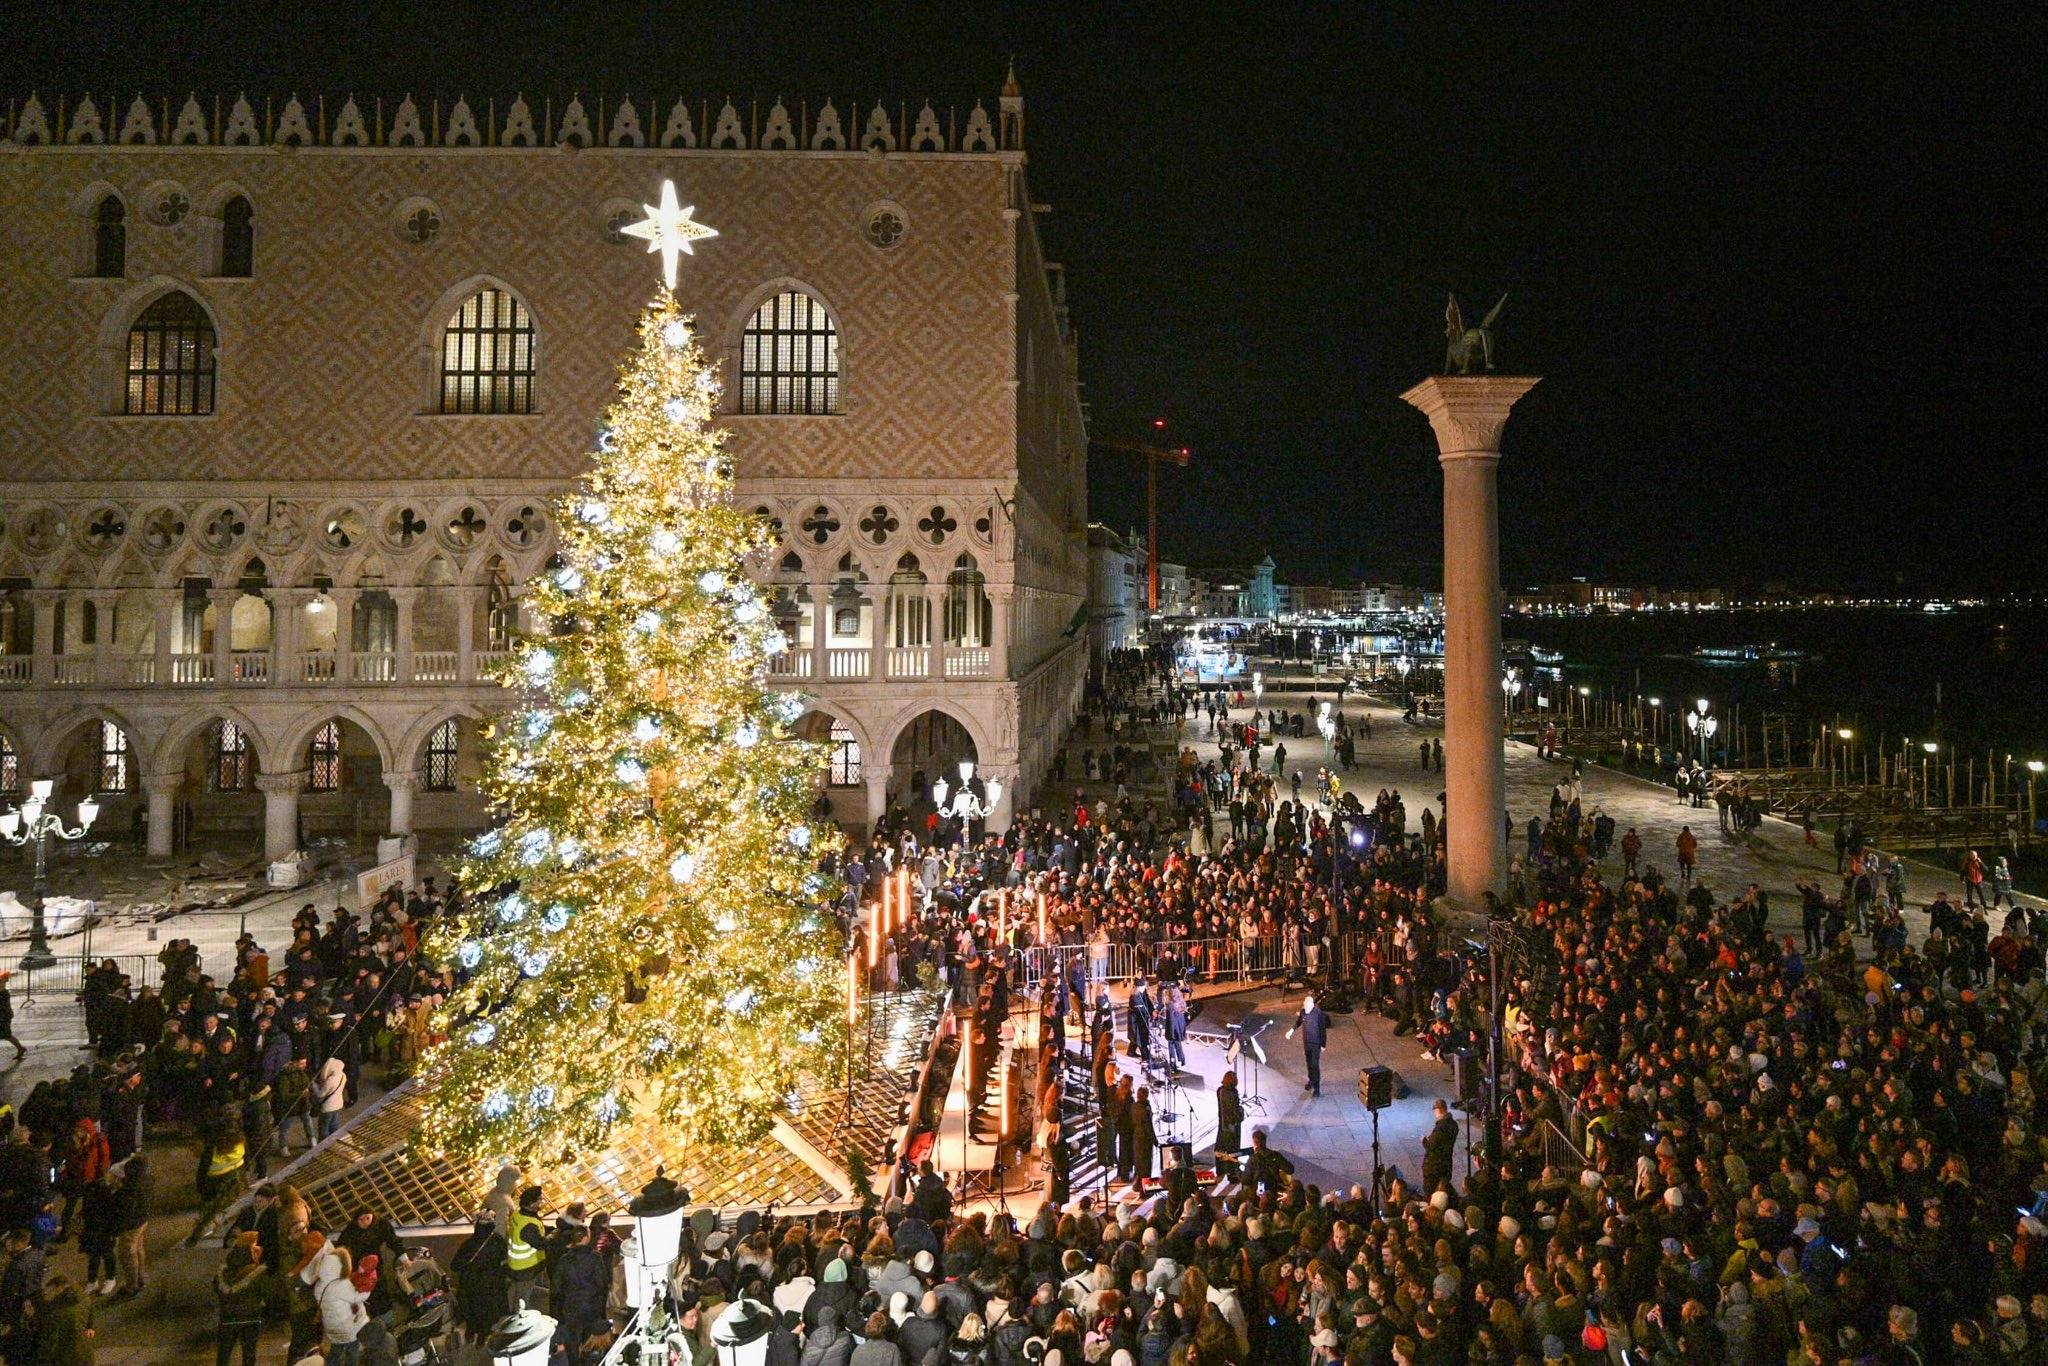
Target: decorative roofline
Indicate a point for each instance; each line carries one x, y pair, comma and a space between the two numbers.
870, 127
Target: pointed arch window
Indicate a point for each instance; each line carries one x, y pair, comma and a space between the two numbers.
845, 756
114, 758
442, 755
487, 356
110, 238
789, 357
323, 758
170, 360
237, 238
232, 767
10, 768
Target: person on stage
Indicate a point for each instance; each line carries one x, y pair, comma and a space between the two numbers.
1229, 1124
1266, 1165
1314, 1027
1144, 1139
1061, 1156
1140, 1021
1120, 1119
1176, 1010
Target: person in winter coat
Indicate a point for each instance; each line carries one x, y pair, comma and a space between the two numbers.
875, 1347
86, 1160
834, 1292
342, 1315
64, 1331
828, 1344
582, 1282
924, 1330
478, 1268
330, 1093
131, 1223
96, 1233
238, 1289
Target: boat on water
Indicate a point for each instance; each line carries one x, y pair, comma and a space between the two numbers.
1768, 653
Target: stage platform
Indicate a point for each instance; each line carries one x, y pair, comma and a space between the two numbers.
1329, 1138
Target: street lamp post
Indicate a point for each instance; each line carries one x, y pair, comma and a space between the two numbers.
1511, 688
2034, 767
36, 823
1702, 724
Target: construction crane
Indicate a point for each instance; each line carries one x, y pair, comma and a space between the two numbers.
1153, 453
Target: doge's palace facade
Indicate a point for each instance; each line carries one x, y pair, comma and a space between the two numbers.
290, 387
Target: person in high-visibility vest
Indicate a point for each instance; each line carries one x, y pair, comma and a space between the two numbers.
526, 1254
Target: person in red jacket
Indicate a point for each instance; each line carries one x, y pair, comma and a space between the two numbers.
85, 1161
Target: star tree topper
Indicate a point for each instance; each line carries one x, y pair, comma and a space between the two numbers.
669, 229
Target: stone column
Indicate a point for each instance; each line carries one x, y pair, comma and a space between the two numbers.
935, 629
43, 603
406, 598
467, 596
821, 631
344, 633
1468, 413
1000, 596
1010, 776
403, 783
281, 813
886, 605
287, 605
876, 779
165, 603
224, 600
162, 790
104, 606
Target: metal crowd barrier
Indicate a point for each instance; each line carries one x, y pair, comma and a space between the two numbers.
62, 980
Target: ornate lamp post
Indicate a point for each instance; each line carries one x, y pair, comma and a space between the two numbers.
34, 822
1703, 725
658, 1233
1511, 688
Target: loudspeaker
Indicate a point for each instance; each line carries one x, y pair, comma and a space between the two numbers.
1376, 1087
1465, 1072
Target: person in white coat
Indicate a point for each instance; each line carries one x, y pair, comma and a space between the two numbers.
329, 1093
342, 1315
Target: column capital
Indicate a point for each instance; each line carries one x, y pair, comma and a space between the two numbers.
1468, 412
229, 594
162, 784
404, 780
283, 782
404, 594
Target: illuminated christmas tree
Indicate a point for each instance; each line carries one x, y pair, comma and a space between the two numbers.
661, 949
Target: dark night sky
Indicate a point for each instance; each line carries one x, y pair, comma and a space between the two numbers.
1781, 268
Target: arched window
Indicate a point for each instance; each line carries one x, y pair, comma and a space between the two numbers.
487, 356
323, 758
170, 360
441, 757
231, 768
110, 238
237, 239
789, 357
845, 756
10, 768
113, 758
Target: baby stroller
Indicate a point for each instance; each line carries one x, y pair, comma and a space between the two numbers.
423, 1288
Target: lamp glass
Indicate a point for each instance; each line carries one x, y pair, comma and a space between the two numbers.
10, 821
41, 789
661, 1237
88, 811
967, 770
31, 811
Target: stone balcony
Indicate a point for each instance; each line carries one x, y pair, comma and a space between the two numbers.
246, 668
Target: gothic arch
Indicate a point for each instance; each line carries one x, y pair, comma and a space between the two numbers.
110, 345
751, 303
825, 707
983, 746
300, 732
413, 746
169, 750
55, 733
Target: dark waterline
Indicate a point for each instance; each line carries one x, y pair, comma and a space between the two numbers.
1877, 671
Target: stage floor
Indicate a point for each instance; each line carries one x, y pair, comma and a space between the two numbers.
1329, 1138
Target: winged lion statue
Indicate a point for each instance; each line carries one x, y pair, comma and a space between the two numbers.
1466, 349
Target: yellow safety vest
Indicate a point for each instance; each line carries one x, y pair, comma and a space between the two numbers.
520, 1253
226, 1158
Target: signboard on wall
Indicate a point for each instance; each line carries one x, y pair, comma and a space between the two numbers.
374, 882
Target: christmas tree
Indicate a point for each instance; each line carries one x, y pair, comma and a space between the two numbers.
644, 934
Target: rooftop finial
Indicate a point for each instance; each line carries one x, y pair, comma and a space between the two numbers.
1010, 85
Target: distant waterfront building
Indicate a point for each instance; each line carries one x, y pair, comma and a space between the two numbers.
1260, 598
290, 385
1116, 591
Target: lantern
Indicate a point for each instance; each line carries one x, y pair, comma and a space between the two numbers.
522, 1338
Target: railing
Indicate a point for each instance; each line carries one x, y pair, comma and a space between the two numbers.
487, 660
65, 978
847, 661
435, 666
790, 664
131, 669
73, 670
196, 668
1202, 960
315, 666
249, 666
373, 666
914, 662
967, 661
1561, 1153
16, 668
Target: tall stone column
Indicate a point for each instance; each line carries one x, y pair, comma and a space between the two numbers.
224, 600
164, 604
876, 778
162, 790
1001, 597
403, 783
821, 626
935, 629
1468, 413
104, 607
281, 813
43, 628
467, 596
